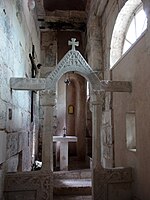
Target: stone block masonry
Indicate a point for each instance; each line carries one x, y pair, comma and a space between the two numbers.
18, 34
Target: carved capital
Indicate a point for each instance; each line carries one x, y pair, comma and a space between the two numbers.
97, 97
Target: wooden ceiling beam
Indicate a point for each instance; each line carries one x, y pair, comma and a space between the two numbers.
64, 20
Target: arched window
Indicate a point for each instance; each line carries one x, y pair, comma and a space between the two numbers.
137, 26
130, 24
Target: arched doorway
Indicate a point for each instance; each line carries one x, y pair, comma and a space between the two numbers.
74, 62
71, 114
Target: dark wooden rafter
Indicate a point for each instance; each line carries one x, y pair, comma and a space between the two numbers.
64, 20
62, 25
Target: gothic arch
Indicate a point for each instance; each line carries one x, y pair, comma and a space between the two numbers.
72, 61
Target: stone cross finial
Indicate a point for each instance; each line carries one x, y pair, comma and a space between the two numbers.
74, 43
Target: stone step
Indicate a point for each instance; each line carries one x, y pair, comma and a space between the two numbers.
72, 197
72, 187
77, 182
74, 174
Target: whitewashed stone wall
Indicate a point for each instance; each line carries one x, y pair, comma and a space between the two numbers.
18, 32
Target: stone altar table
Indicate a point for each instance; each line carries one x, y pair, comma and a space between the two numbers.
64, 149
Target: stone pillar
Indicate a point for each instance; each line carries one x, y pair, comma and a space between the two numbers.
94, 45
80, 121
97, 103
48, 103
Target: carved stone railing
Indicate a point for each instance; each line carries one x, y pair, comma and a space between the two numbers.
35, 185
112, 184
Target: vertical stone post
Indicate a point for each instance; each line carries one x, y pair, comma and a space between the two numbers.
94, 45
48, 103
97, 103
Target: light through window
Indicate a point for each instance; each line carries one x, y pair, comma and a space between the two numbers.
130, 23
137, 26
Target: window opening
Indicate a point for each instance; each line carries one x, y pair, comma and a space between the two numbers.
131, 22
131, 131
137, 26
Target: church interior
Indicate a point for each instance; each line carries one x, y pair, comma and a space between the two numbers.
74, 93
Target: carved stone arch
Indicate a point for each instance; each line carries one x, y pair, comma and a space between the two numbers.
72, 61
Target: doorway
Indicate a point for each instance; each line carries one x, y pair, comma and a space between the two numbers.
71, 111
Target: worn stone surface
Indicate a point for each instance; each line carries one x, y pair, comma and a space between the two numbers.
115, 86
12, 144
16, 142
72, 61
73, 197
1, 183
18, 33
94, 47
27, 84
2, 115
29, 185
3, 139
47, 141
75, 174
106, 179
48, 51
12, 164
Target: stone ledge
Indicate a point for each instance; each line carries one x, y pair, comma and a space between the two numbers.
117, 180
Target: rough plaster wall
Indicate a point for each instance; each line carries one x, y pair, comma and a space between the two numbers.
17, 33
106, 12
134, 67
129, 68
108, 21
108, 17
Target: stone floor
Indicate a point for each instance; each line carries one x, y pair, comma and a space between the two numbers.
74, 184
